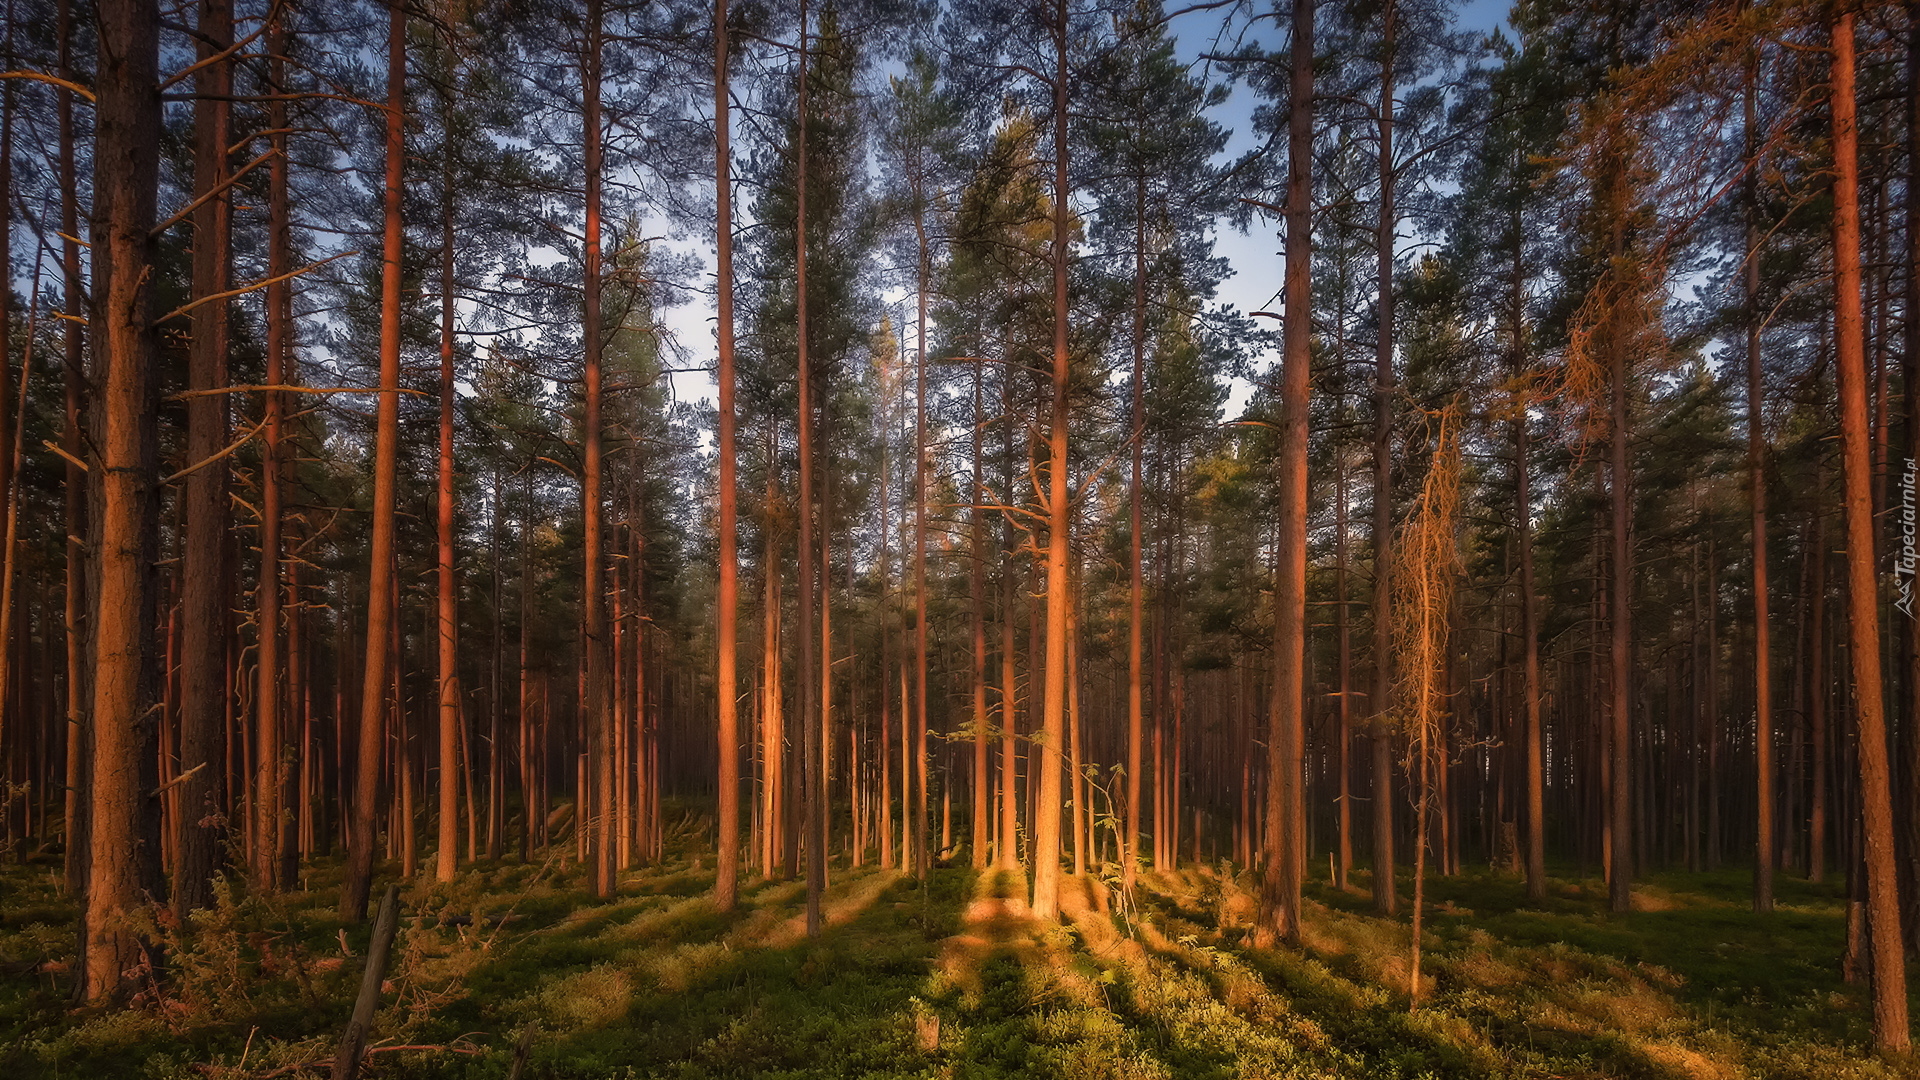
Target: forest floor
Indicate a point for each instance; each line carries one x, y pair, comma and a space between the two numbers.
956, 979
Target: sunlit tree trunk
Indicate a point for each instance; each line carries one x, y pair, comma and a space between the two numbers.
1890, 1031
813, 785
1279, 914
1910, 380
1136, 575
75, 481
773, 737
922, 861
1076, 792
883, 759
727, 877
596, 803
1757, 495
1007, 848
124, 489
823, 464
380, 613
977, 595
1053, 716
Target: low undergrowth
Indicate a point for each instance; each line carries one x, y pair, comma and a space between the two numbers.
954, 978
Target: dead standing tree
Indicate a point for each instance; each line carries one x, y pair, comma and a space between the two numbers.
1426, 568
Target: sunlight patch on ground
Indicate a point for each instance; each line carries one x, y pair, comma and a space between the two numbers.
653, 921
592, 998
843, 901
680, 968
996, 920
1685, 1063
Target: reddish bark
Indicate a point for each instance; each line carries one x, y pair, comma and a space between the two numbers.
380, 583
1053, 715
1279, 914
200, 826
270, 771
447, 619
726, 881
812, 785
596, 796
75, 485
123, 474
1890, 1029
1757, 495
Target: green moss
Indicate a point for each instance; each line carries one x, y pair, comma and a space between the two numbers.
948, 978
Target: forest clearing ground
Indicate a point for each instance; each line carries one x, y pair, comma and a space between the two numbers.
955, 978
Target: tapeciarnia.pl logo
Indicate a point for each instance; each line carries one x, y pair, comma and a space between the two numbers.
1903, 566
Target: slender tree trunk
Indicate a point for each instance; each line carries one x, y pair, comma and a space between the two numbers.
446, 603
1343, 643
824, 448
1817, 691
892, 376
726, 883
1910, 381
380, 613
1620, 597
270, 770
10, 433
203, 600
297, 810
533, 806
407, 823
1385, 894
1046, 857
1536, 855
625, 713
1076, 791
8, 467
1757, 496
75, 481
124, 486
922, 859
813, 785
1890, 1030
1007, 851
1162, 696
772, 717
1286, 806
977, 594
15, 699
823, 453
1136, 576
496, 677
883, 758
642, 793
596, 803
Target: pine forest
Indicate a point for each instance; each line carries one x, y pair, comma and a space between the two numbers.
1075, 539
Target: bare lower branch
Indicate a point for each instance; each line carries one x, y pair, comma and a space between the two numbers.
40, 76
255, 287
